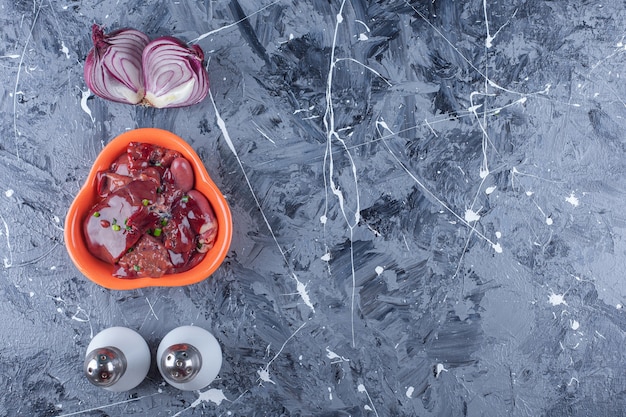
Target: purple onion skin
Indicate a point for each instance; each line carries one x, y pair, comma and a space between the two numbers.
174, 74
113, 68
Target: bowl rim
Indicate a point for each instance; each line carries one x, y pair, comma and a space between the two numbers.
99, 271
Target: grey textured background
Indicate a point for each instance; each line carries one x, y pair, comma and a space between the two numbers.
428, 200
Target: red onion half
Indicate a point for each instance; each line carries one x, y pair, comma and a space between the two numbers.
113, 67
126, 67
173, 73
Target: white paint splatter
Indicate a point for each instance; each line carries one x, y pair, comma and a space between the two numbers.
490, 190
471, 216
497, 247
323, 219
439, 368
472, 109
549, 221
325, 257
65, 50
575, 324
335, 357
488, 39
151, 306
303, 293
379, 270
9, 193
264, 134
409, 392
573, 200
363, 37
264, 375
7, 261
557, 299
216, 396
81, 315
310, 108
330, 393
572, 380
83, 104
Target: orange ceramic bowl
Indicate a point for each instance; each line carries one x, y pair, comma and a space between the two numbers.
101, 272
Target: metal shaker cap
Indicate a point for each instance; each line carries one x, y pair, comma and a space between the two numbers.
181, 362
104, 366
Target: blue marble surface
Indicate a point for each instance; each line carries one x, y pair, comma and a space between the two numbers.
428, 200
